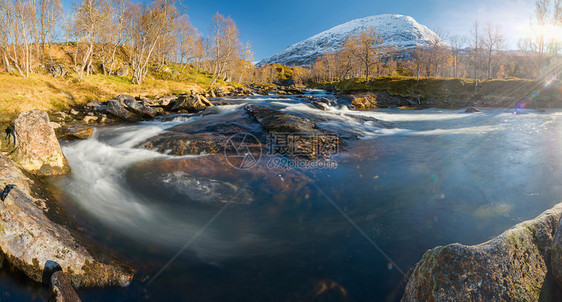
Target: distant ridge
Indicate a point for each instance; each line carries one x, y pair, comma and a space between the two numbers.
400, 31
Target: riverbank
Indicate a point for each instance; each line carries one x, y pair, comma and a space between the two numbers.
45, 92
451, 93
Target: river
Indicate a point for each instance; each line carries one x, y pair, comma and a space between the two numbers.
343, 232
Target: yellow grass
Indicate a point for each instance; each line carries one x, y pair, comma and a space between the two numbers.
44, 92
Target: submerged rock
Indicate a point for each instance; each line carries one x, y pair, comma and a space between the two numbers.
511, 267
29, 240
38, 150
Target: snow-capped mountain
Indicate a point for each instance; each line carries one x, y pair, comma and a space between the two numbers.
400, 31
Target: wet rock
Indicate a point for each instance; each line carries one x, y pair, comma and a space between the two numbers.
472, 110
38, 150
61, 289
295, 135
277, 121
74, 132
363, 101
140, 109
208, 135
29, 239
116, 108
191, 103
511, 267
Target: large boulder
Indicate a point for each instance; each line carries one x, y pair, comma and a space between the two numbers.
556, 255
293, 135
208, 135
140, 108
30, 240
363, 101
191, 103
115, 107
38, 150
511, 267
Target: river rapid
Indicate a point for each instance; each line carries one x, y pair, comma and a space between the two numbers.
404, 181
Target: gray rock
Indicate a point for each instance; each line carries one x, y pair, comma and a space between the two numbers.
29, 239
122, 72
161, 102
116, 108
191, 103
140, 108
58, 71
38, 149
510, 267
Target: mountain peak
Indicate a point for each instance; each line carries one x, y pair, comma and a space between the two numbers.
399, 31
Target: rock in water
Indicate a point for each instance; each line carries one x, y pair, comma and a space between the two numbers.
191, 103
510, 267
61, 289
38, 149
472, 110
29, 240
72, 132
116, 108
364, 101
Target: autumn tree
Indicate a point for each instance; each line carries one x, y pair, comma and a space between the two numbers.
224, 45
147, 26
366, 46
90, 24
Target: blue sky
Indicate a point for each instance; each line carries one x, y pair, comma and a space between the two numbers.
271, 26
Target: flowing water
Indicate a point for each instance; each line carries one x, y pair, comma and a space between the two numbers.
197, 229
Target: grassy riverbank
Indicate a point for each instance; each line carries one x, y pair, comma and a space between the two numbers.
493, 93
44, 92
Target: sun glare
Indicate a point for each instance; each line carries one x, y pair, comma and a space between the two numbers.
549, 32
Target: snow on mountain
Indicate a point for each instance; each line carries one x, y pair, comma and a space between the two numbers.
399, 31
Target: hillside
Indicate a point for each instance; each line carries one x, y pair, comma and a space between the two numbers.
398, 31
43, 91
